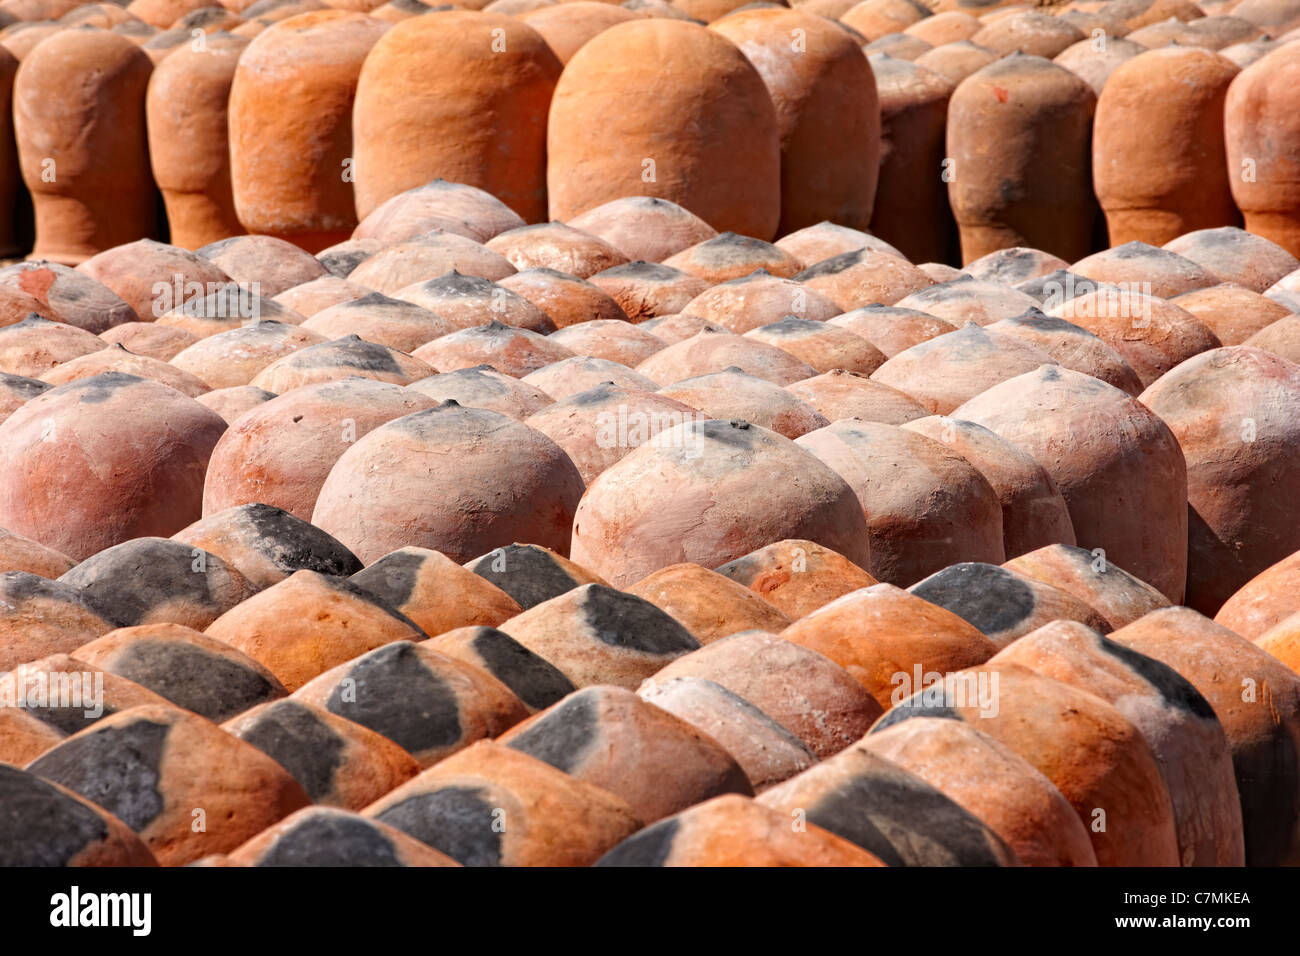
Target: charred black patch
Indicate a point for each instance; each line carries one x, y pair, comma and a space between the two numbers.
392, 578
41, 826
200, 680
1174, 689
457, 821
528, 574
397, 695
292, 544
562, 735
331, 839
649, 847
905, 822
534, 680
624, 620
126, 582
117, 768
988, 597
300, 742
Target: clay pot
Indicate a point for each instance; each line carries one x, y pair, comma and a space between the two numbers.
468, 302
377, 318
1163, 103
429, 704
1020, 804
154, 278
263, 263
1117, 465
733, 394
823, 346
435, 592
1030, 32
1033, 512
306, 197
892, 330
64, 295
308, 623
925, 506
879, 632
911, 209
150, 339
709, 350
554, 818
1261, 131
841, 394
439, 205
955, 61
568, 377
854, 280
1186, 738
158, 581
233, 358
554, 245
1236, 256
1149, 333
512, 351
90, 180
188, 144
570, 301
280, 453
1109, 590
231, 403
142, 450
498, 464
234, 782
734, 831
729, 256
644, 290
537, 683
1092, 752
32, 347
530, 573
115, 358
482, 386
722, 162
856, 790
191, 670
1040, 115
42, 617
1257, 701
644, 228
1224, 407
814, 244
828, 121
797, 576
325, 836
50, 825
943, 372
1094, 59
418, 118
428, 257
1234, 314
566, 27
712, 471
266, 545
319, 294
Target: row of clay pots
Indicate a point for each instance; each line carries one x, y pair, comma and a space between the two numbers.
680, 721
744, 166
725, 358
